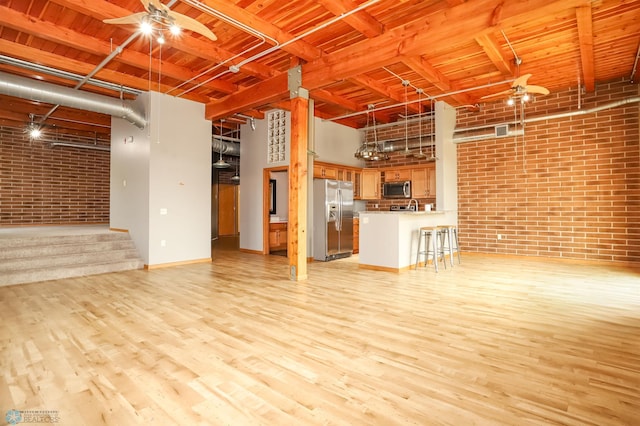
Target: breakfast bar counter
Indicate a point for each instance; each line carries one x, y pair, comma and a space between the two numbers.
389, 240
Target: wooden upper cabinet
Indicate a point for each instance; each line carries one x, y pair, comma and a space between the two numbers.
370, 184
423, 182
323, 171
397, 175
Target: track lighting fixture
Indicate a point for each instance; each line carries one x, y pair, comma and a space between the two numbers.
33, 129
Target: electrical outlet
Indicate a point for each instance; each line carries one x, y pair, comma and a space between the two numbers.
499, 236
163, 243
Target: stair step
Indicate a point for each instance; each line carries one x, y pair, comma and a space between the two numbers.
69, 271
27, 257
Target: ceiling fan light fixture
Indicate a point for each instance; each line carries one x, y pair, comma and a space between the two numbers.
525, 97
175, 29
146, 27
510, 101
161, 39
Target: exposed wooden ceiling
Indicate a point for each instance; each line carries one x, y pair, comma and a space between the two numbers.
453, 50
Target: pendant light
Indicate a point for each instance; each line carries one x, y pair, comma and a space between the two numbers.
221, 164
405, 83
236, 177
432, 133
420, 155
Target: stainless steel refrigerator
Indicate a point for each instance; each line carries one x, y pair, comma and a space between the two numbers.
332, 219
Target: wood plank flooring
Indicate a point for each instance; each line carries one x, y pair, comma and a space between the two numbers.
490, 342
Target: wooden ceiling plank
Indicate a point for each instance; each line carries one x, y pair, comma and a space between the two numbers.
585, 37
427, 71
452, 26
496, 55
361, 21
381, 90
65, 64
200, 48
51, 32
262, 93
328, 97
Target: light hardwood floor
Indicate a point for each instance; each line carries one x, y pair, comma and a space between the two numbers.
492, 341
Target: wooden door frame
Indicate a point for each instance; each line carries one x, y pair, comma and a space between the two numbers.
266, 176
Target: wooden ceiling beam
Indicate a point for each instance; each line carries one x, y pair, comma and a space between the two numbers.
299, 48
427, 71
265, 92
101, 10
361, 21
452, 26
48, 31
491, 47
18, 110
585, 37
65, 64
382, 90
328, 97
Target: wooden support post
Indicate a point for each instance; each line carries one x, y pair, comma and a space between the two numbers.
297, 230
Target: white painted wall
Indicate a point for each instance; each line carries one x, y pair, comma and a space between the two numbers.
334, 143
447, 163
129, 187
170, 165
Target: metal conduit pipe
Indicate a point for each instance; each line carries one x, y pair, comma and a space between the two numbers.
25, 88
399, 144
584, 111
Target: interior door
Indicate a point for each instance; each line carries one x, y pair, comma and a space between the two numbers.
228, 210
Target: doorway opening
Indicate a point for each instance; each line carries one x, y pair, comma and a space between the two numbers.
275, 210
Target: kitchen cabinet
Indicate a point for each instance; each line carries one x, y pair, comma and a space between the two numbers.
357, 184
423, 182
397, 175
277, 236
356, 235
370, 184
323, 171
345, 174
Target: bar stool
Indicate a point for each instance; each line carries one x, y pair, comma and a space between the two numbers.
432, 247
450, 235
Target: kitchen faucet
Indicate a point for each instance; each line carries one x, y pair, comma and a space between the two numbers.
412, 201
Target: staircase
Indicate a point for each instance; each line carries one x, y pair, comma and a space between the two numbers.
46, 255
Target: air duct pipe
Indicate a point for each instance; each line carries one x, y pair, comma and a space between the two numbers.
223, 147
25, 88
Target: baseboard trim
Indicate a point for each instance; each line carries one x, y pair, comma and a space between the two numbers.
383, 268
566, 260
251, 251
171, 264
119, 230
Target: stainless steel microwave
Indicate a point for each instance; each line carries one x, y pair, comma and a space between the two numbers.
397, 189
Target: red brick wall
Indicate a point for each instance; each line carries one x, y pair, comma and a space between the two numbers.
570, 188
44, 185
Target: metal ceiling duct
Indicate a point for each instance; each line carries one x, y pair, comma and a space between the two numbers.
224, 147
39, 91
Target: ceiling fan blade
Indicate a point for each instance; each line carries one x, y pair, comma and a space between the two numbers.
521, 81
192, 25
537, 89
495, 95
131, 19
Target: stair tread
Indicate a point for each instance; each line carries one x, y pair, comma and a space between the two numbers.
28, 258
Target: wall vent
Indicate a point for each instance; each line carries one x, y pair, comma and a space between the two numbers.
502, 130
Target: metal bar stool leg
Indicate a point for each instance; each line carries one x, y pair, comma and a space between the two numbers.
420, 236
